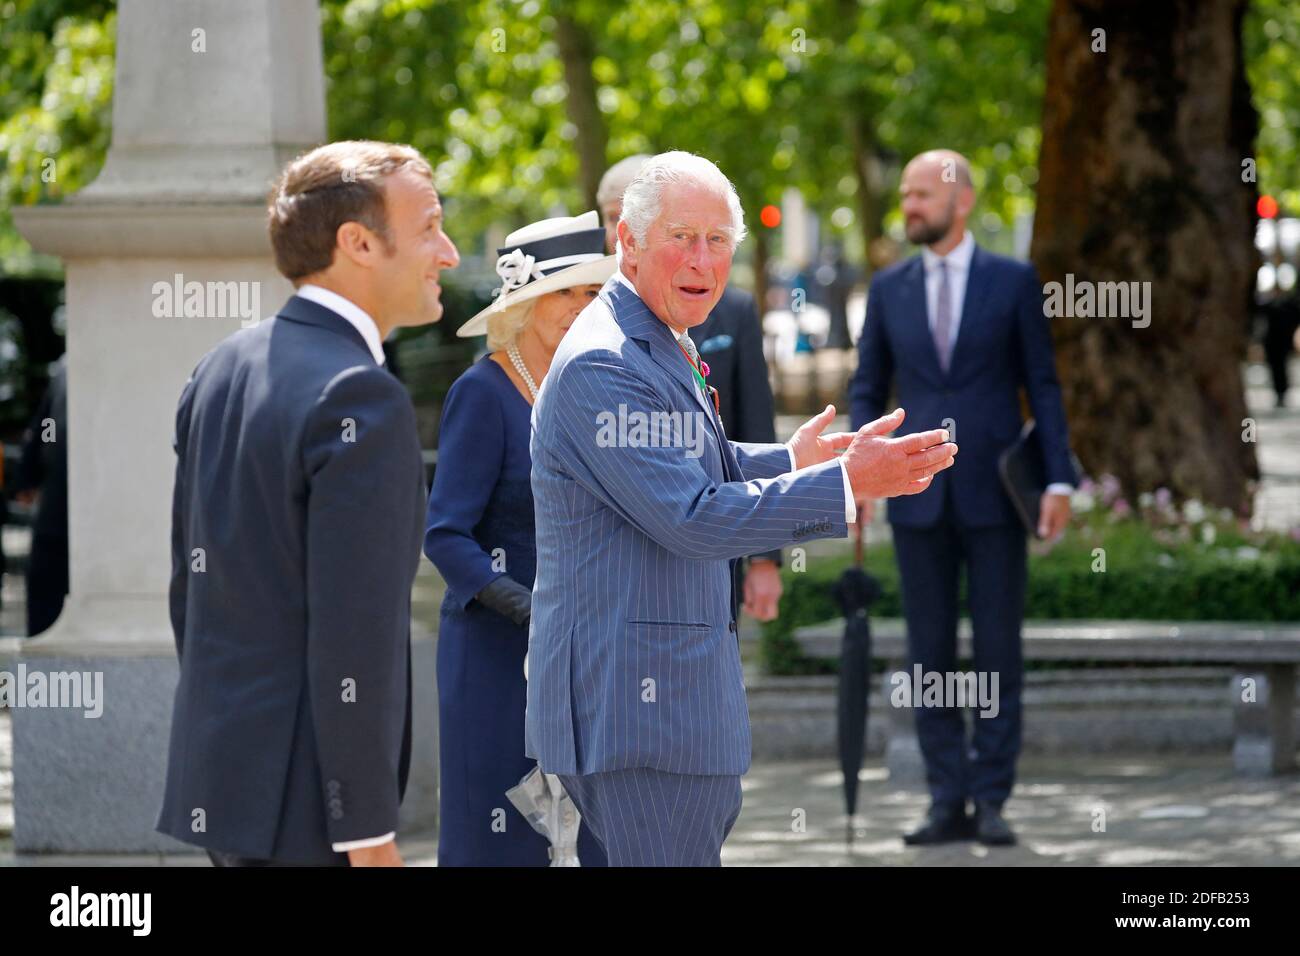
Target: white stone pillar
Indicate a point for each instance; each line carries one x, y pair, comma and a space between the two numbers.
212, 97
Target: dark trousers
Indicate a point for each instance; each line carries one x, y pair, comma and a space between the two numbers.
930, 561
47, 581
646, 817
1278, 337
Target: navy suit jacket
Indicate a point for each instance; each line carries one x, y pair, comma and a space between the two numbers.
632, 654
1003, 343
296, 525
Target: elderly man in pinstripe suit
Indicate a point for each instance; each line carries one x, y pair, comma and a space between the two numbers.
635, 695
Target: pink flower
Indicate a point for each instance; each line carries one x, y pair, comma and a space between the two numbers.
1120, 508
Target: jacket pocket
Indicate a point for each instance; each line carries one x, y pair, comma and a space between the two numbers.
669, 624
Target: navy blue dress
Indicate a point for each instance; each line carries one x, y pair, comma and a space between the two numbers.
480, 526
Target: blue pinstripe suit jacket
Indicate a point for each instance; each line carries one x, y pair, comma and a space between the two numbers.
633, 660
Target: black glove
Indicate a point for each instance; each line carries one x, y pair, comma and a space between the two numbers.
508, 598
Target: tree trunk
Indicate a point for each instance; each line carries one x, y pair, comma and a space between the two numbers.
860, 132
866, 167
1140, 180
576, 51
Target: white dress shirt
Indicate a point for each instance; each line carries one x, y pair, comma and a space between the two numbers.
958, 263
359, 319
850, 506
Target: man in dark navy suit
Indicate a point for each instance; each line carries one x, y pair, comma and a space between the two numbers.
731, 342
296, 524
959, 331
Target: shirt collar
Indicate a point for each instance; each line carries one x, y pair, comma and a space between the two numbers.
958, 259
619, 276
356, 316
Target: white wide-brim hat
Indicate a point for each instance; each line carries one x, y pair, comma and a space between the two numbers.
544, 257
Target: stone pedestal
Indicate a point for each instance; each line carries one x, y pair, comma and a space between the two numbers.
903, 755
198, 137
1263, 717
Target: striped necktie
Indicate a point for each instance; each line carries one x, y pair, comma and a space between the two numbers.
689, 346
943, 317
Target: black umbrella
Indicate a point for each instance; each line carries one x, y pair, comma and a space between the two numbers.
854, 592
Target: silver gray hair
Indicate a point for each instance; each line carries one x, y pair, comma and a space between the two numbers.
643, 198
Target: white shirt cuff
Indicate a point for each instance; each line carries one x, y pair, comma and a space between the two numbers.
1060, 488
850, 506
363, 844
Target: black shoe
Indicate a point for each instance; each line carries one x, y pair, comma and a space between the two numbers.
945, 823
990, 828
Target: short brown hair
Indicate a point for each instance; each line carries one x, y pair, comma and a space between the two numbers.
322, 189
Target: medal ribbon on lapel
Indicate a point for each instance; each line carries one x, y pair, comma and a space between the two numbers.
699, 371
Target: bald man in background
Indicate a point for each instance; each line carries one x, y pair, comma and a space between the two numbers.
960, 331
731, 341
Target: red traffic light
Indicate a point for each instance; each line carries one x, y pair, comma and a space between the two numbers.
1266, 207
770, 217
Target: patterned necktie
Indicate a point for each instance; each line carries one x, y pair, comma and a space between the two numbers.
689, 346
943, 316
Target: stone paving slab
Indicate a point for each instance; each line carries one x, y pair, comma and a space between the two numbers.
6, 777
1157, 812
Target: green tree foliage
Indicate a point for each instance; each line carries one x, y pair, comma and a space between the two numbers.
56, 94
772, 91
1272, 41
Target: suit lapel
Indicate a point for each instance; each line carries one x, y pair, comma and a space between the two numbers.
919, 338
638, 322
730, 464
972, 309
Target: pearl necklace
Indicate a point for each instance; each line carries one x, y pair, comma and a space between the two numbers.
513, 353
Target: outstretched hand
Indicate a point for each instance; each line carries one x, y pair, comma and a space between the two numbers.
881, 467
811, 447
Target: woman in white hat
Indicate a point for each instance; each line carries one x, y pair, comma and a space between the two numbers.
479, 534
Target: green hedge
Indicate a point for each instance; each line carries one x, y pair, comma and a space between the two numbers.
1171, 573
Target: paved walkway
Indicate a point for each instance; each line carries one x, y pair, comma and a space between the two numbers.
1157, 812
1277, 505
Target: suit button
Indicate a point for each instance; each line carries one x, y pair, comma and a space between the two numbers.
336, 814
732, 627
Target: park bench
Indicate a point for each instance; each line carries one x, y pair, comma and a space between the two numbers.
1262, 688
